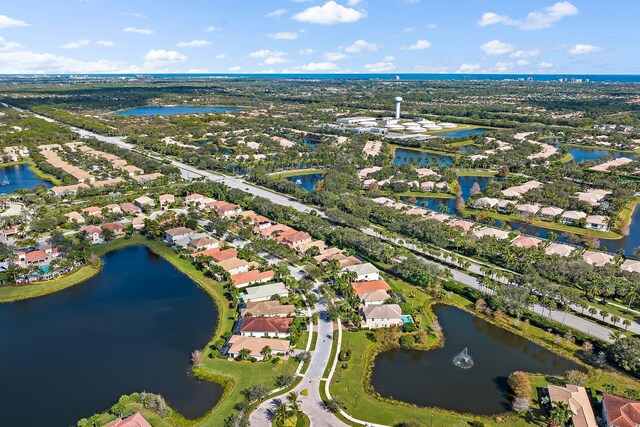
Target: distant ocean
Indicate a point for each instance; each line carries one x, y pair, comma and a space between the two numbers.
622, 78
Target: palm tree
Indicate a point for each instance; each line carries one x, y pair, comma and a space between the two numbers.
626, 323
593, 311
281, 414
615, 319
604, 314
244, 354
266, 352
292, 397
560, 414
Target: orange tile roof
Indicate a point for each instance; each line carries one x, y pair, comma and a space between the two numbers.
372, 285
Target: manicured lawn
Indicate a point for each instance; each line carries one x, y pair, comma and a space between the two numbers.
461, 143
480, 173
9, 293
566, 158
297, 172
394, 147
426, 194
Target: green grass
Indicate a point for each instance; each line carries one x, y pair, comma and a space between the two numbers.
460, 143
566, 158
426, 194
297, 172
314, 341
394, 147
332, 356
484, 174
624, 217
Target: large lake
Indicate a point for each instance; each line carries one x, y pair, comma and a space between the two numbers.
130, 328
19, 177
429, 378
173, 110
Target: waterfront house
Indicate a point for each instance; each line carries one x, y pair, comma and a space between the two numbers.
363, 272
265, 292
39, 257
203, 243
549, 213
572, 217
578, 401
144, 201
593, 197
631, 265
116, 227
174, 234
598, 259
138, 222
251, 277
505, 206
255, 345
619, 411
276, 327
382, 316
267, 309
559, 249
485, 203
93, 233
527, 209
597, 222
526, 242
234, 266
491, 232
425, 172
135, 420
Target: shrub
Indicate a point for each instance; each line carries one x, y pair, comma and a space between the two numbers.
305, 392
477, 424
407, 341
345, 355
520, 385
576, 377
409, 327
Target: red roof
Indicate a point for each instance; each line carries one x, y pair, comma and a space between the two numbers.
135, 420
372, 285
251, 276
621, 412
225, 254
35, 256
113, 226
90, 229
179, 231
266, 324
129, 207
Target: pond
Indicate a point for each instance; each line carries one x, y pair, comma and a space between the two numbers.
429, 378
581, 154
130, 328
466, 185
307, 181
405, 156
461, 133
174, 110
19, 177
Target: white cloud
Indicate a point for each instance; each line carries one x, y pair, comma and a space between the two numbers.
334, 56
408, 30
496, 47
132, 14
76, 44
536, 20
306, 51
432, 26
194, 43
431, 69
221, 56
6, 22
7, 45
502, 67
545, 65
211, 29
469, 68
275, 13
318, 67
264, 53
419, 45
160, 57
198, 71
26, 62
234, 69
106, 43
275, 60
525, 53
284, 35
353, 2
329, 14
522, 62
582, 49
143, 31
361, 46
380, 67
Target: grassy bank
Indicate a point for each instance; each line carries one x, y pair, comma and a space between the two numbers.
394, 147
624, 217
287, 174
425, 194
483, 174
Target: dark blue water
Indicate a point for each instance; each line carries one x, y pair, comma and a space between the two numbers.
622, 78
461, 133
306, 182
434, 203
169, 111
429, 378
130, 328
582, 155
405, 156
20, 178
466, 185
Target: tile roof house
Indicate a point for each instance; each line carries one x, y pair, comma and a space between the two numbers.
372, 285
143, 201
251, 277
94, 233
598, 259
465, 225
295, 239
559, 249
93, 211
226, 210
485, 203
255, 345
75, 217
264, 292
265, 326
130, 208
526, 242
549, 213
491, 232
631, 265
166, 200
193, 198
572, 217
376, 297
382, 316
597, 222
620, 412
527, 209
234, 266
267, 309
203, 243
116, 227
177, 233
577, 400
135, 420
138, 222
364, 272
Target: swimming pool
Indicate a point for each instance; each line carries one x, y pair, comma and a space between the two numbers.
406, 318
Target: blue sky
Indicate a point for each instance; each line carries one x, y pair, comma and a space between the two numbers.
298, 36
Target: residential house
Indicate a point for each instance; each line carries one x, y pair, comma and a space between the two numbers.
526, 242
505, 206
203, 243
598, 259
226, 210
130, 208
578, 401
549, 213
295, 239
485, 203
572, 217
267, 309
631, 265
375, 297
38, 257
174, 234
93, 211
234, 266
364, 272
491, 232
527, 209
465, 225
193, 199
93, 233
264, 292
113, 209
559, 249
597, 222
116, 227
382, 316
75, 217
144, 201
166, 200
138, 222
237, 343
360, 288
135, 420
251, 277
277, 327
619, 411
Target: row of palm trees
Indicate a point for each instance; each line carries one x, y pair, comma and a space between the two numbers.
287, 410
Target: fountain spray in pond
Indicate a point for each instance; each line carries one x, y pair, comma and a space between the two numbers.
463, 360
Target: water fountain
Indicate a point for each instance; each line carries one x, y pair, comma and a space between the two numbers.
463, 360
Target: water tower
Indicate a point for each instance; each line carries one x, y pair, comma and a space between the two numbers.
398, 101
